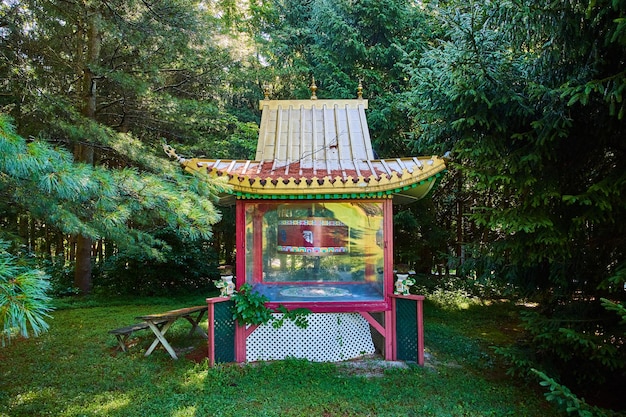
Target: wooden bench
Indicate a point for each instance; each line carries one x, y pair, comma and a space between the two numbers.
123, 333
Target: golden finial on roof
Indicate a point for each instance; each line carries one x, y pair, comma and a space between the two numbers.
313, 89
266, 91
359, 90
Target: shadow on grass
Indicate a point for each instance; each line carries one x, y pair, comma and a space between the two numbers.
466, 336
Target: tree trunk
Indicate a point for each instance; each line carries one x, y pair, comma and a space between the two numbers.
83, 152
60, 254
82, 269
109, 249
32, 235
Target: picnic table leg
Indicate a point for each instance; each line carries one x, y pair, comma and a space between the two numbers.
194, 324
160, 338
121, 340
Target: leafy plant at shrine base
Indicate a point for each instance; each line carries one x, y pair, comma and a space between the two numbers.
250, 308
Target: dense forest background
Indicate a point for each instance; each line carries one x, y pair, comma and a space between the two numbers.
525, 96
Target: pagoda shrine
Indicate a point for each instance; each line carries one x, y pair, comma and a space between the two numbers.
314, 230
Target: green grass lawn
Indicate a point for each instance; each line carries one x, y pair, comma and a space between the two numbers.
75, 370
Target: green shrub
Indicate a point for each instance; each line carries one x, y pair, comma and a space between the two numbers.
585, 355
61, 278
567, 401
185, 266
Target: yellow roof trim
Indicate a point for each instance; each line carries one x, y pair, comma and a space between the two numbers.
250, 183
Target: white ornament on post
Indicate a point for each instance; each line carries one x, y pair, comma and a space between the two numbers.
226, 285
403, 283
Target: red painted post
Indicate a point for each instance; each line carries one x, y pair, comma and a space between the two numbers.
390, 314
211, 331
257, 246
390, 333
240, 233
388, 250
420, 330
393, 324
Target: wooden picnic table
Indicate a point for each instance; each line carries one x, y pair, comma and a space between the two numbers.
161, 322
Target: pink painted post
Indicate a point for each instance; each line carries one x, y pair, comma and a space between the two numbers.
240, 234
257, 246
394, 340
211, 331
240, 231
390, 336
390, 313
388, 250
420, 330
240, 343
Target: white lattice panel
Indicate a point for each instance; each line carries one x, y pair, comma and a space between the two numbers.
330, 337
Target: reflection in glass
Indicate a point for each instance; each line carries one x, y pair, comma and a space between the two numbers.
317, 251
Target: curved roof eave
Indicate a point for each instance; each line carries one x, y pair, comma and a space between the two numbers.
403, 179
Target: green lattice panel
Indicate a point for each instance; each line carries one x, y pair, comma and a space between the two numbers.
224, 332
406, 329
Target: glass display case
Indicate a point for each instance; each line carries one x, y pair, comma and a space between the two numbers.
323, 255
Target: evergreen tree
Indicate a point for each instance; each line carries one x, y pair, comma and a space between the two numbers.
110, 80
126, 206
528, 96
341, 43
